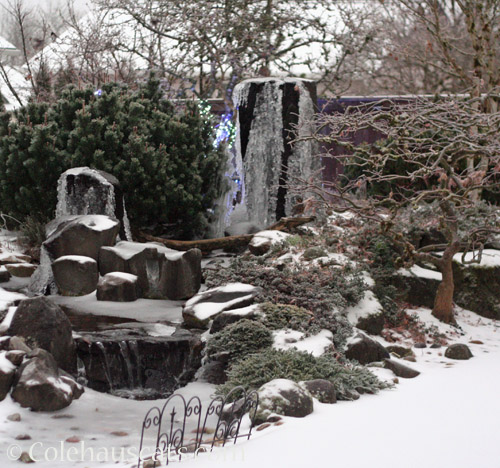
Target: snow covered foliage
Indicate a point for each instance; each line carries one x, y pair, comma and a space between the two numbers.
325, 291
270, 364
163, 156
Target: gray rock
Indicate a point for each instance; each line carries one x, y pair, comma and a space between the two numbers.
14, 417
7, 372
321, 389
284, 397
45, 325
15, 357
400, 370
373, 324
37, 384
75, 275
205, 306
80, 235
400, 351
365, 350
458, 351
71, 235
21, 270
162, 273
118, 287
83, 191
17, 343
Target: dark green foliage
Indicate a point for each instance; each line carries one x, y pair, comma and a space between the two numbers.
260, 368
240, 339
162, 155
279, 316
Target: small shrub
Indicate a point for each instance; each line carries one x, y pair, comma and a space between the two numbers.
279, 316
240, 339
33, 230
260, 368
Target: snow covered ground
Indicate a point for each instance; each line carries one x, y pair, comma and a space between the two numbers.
446, 417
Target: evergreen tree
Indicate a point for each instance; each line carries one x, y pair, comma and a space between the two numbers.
162, 154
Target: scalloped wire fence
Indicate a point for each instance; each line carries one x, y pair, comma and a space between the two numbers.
181, 427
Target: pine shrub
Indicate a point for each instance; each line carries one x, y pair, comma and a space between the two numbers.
240, 339
163, 155
260, 368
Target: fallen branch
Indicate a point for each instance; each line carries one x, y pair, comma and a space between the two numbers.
230, 242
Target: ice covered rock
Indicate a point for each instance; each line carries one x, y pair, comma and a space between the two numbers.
162, 272
262, 241
83, 191
75, 275
205, 306
72, 235
46, 326
365, 350
38, 384
284, 397
118, 287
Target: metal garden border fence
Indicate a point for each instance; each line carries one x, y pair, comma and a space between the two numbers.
168, 425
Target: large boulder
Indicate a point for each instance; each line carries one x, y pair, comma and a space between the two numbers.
162, 273
205, 306
284, 397
38, 384
43, 324
71, 235
83, 191
368, 314
75, 275
365, 350
118, 287
80, 235
7, 372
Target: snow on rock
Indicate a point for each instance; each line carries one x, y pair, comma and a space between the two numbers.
368, 305
420, 272
5, 365
262, 241
200, 309
76, 258
315, 345
284, 397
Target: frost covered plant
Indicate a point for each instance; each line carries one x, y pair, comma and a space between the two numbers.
279, 316
258, 369
317, 289
240, 339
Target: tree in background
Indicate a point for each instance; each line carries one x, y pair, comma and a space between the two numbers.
163, 156
422, 162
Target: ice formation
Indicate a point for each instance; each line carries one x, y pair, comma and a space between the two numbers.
268, 111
